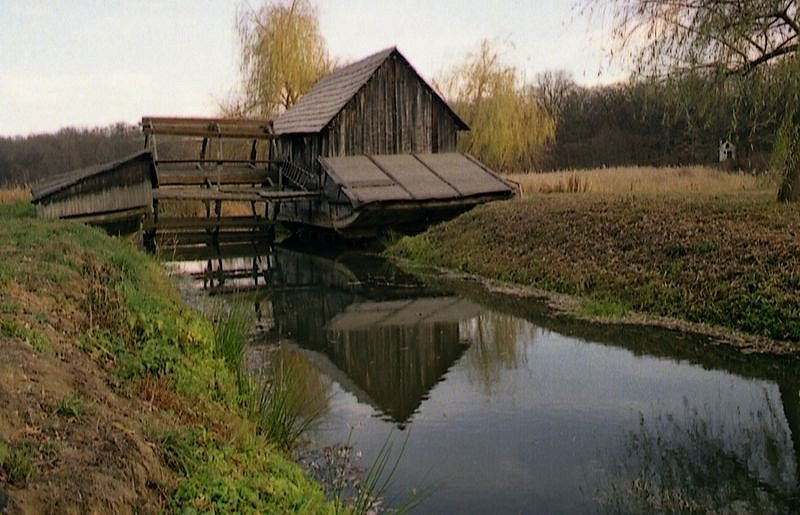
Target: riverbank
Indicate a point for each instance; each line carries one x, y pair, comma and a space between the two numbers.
725, 264
113, 394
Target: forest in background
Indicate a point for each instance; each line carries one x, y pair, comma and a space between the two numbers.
639, 123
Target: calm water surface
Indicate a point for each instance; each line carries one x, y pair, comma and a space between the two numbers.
507, 409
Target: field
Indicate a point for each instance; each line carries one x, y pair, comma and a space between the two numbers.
640, 179
725, 254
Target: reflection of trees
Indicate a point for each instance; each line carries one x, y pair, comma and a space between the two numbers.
496, 348
692, 464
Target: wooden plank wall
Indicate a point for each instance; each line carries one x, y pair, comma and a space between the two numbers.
125, 187
393, 114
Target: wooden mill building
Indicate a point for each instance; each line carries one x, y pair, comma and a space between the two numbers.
383, 143
370, 147
379, 105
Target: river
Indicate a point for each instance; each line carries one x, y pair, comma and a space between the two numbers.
494, 404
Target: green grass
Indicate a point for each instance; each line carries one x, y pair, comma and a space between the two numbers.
72, 406
16, 464
601, 308
31, 336
138, 329
728, 260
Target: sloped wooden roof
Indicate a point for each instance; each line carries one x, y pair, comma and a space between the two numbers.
330, 95
62, 181
413, 177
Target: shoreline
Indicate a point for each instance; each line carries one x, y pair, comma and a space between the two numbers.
726, 266
561, 304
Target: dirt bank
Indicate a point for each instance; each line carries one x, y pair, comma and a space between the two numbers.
112, 398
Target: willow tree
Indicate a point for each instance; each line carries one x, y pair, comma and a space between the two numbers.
283, 54
510, 131
722, 39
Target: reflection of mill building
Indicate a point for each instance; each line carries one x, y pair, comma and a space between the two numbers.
388, 347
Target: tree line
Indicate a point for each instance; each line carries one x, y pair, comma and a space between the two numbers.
25, 160
678, 121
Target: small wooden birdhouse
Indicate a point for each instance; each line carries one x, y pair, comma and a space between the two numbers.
727, 151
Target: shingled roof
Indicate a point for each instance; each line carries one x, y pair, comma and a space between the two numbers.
327, 98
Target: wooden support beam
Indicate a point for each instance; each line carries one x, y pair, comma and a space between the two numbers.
244, 175
187, 223
252, 195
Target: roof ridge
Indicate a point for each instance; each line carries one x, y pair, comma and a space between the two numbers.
326, 99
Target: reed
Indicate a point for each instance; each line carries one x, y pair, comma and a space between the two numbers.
14, 194
379, 478
233, 324
281, 406
640, 179
280, 403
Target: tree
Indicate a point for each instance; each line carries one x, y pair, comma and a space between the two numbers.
283, 55
554, 89
510, 131
722, 39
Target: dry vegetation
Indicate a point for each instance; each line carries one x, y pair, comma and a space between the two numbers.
8, 195
640, 179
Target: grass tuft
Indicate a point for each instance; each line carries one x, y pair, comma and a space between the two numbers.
602, 308
16, 464
281, 407
72, 406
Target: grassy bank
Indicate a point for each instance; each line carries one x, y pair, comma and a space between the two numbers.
731, 260
114, 396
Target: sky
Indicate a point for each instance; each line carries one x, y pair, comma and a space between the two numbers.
85, 63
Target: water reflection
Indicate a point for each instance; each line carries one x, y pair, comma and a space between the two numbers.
379, 333
678, 462
521, 410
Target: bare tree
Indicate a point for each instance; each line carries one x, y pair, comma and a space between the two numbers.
554, 87
720, 38
283, 55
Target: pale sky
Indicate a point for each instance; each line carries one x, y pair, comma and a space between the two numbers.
85, 63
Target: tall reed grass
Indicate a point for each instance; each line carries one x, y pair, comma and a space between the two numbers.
14, 194
641, 179
281, 403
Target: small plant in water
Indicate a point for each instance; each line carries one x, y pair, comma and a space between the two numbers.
355, 490
282, 410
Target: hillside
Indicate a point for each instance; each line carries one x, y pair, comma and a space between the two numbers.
113, 397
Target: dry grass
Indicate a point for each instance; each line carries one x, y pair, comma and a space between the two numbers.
8, 195
196, 208
640, 179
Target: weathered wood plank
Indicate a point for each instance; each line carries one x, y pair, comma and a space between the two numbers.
228, 175
187, 223
255, 195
